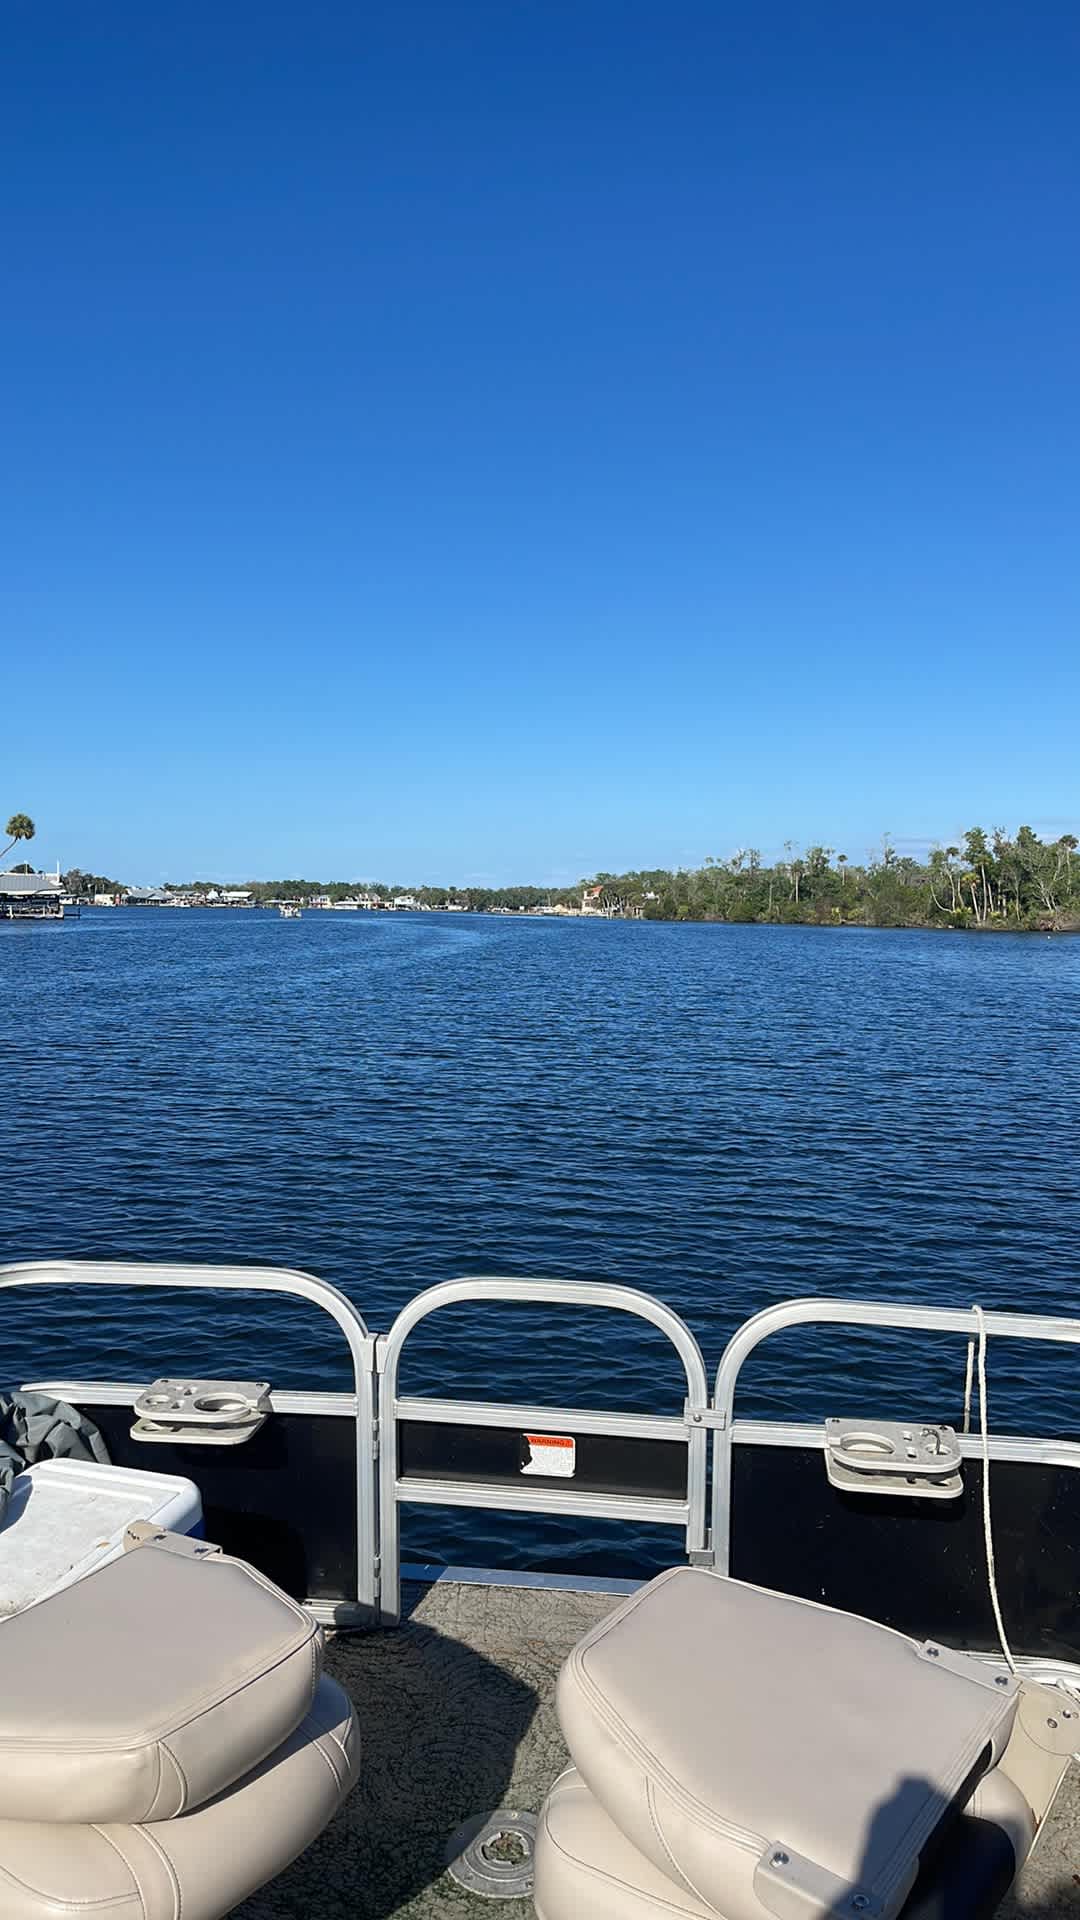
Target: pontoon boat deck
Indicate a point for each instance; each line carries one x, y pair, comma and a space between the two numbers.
951, 1534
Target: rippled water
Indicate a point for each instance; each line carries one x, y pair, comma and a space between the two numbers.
724, 1116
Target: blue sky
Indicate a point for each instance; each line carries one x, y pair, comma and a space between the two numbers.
503, 440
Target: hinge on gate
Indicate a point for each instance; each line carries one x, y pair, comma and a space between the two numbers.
707, 1417
375, 1437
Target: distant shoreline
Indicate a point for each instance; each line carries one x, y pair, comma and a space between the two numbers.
986, 882
1069, 925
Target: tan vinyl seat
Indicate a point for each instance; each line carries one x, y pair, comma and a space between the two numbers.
591, 1870
744, 1754
167, 1740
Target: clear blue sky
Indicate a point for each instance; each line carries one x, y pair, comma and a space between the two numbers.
502, 438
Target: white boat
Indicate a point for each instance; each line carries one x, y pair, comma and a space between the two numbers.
289, 910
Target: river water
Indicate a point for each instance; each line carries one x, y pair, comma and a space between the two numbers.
723, 1116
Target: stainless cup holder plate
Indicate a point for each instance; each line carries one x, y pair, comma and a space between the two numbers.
201, 1412
891, 1457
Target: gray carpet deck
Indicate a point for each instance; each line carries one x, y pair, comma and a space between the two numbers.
457, 1717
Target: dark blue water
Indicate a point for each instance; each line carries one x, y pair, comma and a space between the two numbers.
724, 1116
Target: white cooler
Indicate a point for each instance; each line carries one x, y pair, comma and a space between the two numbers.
67, 1517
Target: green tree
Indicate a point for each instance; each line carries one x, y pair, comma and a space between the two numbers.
939, 873
20, 827
977, 854
817, 868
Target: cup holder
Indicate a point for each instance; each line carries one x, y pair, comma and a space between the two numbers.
867, 1446
894, 1459
201, 1412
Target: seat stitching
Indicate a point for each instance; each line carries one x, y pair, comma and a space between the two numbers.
185, 1788
922, 1824
333, 1738
174, 1878
154, 1797
327, 1760
129, 1868
195, 1707
563, 1778
102, 1902
614, 1620
739, 1836
801, 1600
614, 1879
604, 1627
650, 1802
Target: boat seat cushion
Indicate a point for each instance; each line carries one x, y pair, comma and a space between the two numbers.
772, 1756
150, 1686
197, 1867
587, 1870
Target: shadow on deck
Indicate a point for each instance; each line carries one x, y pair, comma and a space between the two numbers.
457, 1717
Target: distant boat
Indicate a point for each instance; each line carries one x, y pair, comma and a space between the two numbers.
290, 911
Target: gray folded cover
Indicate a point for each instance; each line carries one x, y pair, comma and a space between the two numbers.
35, 1427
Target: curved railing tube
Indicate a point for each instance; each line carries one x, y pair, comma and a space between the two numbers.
298, 1285
848, 1313
505, 1290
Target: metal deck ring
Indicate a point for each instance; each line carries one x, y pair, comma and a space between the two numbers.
492, 1854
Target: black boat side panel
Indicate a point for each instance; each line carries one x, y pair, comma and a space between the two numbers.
917, 1565
604, 1463
285, 1499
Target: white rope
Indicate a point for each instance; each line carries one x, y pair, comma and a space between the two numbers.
968, 1384
988, 1531
1069, 1687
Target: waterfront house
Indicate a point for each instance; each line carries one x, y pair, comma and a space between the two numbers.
31, 896
146, 897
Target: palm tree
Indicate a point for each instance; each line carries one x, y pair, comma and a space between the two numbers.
20, 827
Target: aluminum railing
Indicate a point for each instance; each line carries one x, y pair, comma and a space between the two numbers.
383, 1416
282, 1280
845, 1313
686, 1427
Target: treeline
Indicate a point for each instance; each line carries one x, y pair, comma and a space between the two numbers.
988, 880
80, 883
474, 899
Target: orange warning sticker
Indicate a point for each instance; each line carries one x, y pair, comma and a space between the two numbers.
554, 1455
